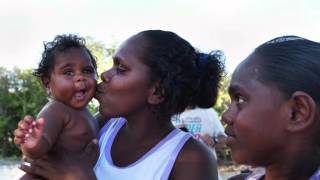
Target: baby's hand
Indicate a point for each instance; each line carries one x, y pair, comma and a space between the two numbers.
23, 130
28, 132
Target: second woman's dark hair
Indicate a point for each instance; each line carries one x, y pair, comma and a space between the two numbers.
291, 63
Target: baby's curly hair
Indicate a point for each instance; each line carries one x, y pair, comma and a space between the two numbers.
60, 44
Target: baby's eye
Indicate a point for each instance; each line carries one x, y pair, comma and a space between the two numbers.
68, 72
88, 71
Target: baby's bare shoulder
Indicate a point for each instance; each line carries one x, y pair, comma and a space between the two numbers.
55, 110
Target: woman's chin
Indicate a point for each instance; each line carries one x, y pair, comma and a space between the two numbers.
240, 157
230, 140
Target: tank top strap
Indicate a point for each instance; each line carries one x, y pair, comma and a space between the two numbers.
174, 155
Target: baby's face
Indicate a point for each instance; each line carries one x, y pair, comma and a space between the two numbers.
73, 78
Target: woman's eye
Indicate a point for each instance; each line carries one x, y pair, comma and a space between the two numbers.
240, 100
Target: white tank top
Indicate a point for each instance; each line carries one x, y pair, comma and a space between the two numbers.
156, 164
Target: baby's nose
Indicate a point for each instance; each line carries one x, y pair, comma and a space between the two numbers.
79, 77
80, 85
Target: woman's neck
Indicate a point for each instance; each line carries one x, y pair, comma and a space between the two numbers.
147, 126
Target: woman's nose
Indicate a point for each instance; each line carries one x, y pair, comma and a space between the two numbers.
106, 76
227, 116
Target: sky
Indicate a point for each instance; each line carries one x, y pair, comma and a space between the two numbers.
234, 26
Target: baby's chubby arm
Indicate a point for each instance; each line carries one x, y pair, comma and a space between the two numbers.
28, 136
37, 137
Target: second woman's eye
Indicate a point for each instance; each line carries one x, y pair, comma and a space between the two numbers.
120, 68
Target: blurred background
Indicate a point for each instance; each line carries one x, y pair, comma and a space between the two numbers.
235, 27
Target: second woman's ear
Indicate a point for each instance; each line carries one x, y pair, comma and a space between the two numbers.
303, 110
156, 94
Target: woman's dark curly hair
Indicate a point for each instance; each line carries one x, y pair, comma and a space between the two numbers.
187, 78
60, 44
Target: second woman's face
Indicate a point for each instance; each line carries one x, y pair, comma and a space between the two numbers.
125, 87
254, 118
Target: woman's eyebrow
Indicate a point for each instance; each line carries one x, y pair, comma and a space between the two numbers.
233, 89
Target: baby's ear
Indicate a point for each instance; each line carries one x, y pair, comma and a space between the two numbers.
46, 85
156, 94
45, 81
303, 111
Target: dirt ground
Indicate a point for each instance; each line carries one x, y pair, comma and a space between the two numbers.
9, 170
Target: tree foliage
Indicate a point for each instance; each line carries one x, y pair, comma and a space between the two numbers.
20, 93
223, 97
101, 52
103, 56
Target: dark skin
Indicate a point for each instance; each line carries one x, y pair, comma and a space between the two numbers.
289, 152
128, 92
65, 124
47, 136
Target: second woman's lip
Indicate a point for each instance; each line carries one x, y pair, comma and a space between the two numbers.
229, 131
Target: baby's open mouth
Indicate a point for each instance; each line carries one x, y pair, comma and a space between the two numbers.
80, 95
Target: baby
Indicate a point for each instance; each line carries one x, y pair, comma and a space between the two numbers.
68, 73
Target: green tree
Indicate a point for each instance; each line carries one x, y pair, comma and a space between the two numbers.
223, 100
20, 93
103, 55
101, 52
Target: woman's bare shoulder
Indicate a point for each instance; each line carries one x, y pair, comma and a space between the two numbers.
195, 151
195, 161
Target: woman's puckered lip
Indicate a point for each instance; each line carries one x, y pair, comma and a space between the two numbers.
99, 89
98, 92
